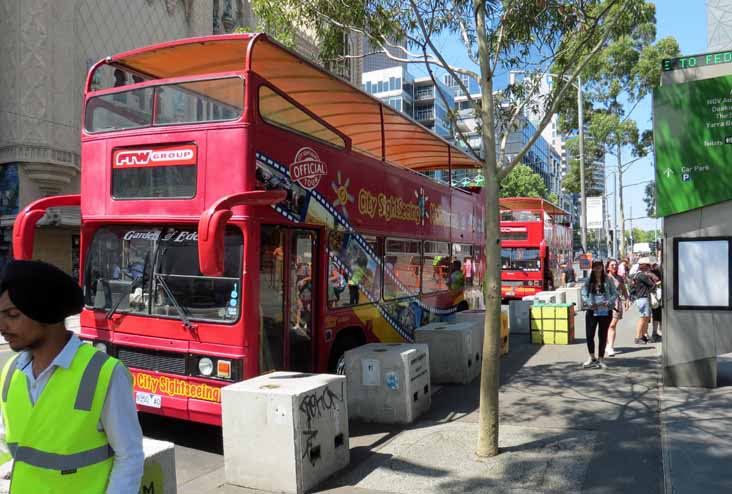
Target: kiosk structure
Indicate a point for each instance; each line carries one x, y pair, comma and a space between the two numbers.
692, 114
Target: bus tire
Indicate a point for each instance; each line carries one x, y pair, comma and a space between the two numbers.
346, 340
462, 306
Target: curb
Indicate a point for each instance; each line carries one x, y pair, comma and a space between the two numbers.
668, 487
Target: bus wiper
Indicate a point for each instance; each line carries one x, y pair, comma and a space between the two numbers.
168, 293
134, 284
124, 295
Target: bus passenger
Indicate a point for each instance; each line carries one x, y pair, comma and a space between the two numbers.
337, 283
357, 278
468, 271
457, 279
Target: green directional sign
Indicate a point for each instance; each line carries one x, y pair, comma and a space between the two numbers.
692, 127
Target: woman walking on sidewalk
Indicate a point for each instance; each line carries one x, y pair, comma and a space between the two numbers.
598, 295
617, 312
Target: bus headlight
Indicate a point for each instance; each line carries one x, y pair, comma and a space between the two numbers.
205, 366
102, 347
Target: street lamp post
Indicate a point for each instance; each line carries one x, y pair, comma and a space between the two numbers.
583, 199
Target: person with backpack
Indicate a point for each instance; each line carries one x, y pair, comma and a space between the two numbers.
642, 282
599, 296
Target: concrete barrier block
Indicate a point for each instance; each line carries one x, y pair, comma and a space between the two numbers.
477, 318
159, 473
285, 431
388, 382
573, 295
454, 351
518, 315
546, 297
158, 476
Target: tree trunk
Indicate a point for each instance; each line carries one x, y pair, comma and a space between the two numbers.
620, 199
491, 366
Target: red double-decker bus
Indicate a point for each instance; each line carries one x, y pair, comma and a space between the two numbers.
244, 211
536, 237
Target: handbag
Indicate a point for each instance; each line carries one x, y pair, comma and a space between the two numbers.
656, 298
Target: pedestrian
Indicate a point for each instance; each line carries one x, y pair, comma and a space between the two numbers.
567, 274
656, 304
643, 282
598, 295
68, 416
617, 313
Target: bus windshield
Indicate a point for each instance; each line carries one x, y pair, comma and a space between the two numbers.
520, 259
149, 270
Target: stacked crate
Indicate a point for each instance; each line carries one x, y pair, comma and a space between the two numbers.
552, 324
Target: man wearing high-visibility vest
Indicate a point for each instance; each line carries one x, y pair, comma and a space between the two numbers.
68, 415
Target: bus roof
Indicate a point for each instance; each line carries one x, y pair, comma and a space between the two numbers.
356, 114
528, 203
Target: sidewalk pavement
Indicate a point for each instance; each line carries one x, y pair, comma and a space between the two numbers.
563, 429
697, 435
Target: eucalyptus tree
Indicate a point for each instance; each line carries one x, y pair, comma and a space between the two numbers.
534, 37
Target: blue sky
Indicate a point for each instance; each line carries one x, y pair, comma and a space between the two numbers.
686, 21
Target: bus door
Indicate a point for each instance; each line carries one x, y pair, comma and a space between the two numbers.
288, 298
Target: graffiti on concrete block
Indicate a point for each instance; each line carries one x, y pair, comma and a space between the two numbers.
313, 405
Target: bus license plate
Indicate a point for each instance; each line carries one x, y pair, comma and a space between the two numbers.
148, 399
511, 294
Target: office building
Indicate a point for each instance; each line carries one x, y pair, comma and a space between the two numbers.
719, 25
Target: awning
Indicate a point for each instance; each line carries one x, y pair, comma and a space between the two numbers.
530, 203
356, 114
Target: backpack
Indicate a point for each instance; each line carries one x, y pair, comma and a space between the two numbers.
633, 287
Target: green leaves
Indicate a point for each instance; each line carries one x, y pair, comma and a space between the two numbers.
523, 182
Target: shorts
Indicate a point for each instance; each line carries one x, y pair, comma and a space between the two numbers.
644, 306
657, 313
618, 313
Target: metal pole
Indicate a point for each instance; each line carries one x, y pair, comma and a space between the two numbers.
615, 215
580, 115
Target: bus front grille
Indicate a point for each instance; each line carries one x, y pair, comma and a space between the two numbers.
138, 358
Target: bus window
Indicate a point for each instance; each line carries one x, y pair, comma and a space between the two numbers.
271, 299
359, 266
200, 101
154, 270
510, 215
520, 259
464, 254
210, 100
167, 181
401, 268
435, 266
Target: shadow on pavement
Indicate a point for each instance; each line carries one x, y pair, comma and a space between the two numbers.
187, 434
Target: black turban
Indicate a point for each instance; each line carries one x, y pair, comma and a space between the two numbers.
41, 291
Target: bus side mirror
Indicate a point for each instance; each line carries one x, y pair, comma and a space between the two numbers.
211, 243
25, 222
212, 225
